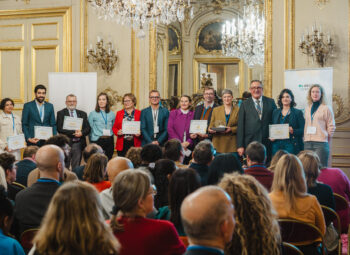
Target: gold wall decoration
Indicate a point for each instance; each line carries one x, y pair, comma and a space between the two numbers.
152, 57
268, 49
177, 62
174, 38
36, 25
12, 27
113, 96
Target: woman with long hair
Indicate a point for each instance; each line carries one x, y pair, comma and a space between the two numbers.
73, 224
95, 172
256, 230
275, 159
133, 196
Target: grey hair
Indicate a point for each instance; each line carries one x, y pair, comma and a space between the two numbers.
226, 91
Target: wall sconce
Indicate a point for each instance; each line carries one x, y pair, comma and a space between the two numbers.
316, 46
103, 57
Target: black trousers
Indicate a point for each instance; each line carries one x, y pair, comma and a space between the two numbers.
126, 146
107, 144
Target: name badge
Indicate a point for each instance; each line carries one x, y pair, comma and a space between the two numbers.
156, 129
311, 130
106, 132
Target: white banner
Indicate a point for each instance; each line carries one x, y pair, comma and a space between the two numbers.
300, 80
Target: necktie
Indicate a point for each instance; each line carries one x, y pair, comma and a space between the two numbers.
75, 139
71, 114
258, 107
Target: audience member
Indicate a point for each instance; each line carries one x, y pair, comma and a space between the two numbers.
8, 245
173, 150
256, 230
275, 159
89, 150
7, 162
3, 179
26, 165
223, 163
208, 219
182, 183
163, 170
114, 167
256, 158
32, 202
134, 154
95, 172
74, 224
133, 198
203, 155
150, 153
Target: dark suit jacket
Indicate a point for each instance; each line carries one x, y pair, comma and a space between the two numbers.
202, 170
31, 118
250, 127
85, 129
147, 125
24, 167
201, 252
297, 122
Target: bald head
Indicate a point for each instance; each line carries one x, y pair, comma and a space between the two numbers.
117, 165
50, 158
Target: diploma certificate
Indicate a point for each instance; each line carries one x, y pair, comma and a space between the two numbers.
198, 126
42, 133
279, 131
131, 127
16, 142
71, 123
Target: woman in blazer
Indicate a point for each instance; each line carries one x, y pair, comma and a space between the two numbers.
287, 114
129, 113
225, 115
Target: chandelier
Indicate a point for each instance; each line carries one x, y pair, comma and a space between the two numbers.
139, 13
317, 46
244, 37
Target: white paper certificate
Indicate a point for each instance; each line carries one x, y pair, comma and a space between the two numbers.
131, 127
198, 126
16, 142
42, 133
279, 131
71, 123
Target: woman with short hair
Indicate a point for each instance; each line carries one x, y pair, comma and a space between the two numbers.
95, 172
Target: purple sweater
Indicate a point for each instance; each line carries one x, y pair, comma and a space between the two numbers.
178, 123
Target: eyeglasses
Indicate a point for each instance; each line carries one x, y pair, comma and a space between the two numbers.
154, 97
255, 88
154, 190
71, 101
127, 101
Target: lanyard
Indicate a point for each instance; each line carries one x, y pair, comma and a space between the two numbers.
42, 180
205, 248
105, 119
284, 118
155, 117
13, 122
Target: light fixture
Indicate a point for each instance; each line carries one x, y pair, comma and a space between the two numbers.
139, 13
317, 46
101, 56
244, 37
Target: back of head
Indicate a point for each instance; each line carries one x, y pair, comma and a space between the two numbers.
203, 152
47, 158
7, 160
275, 159
73, 223
150, 153
60, 140
312, 165
223, 163
6, 210
173, 149
252, 205
95, 169
91, 149
256, 152
134, 154
30, 151
116, 165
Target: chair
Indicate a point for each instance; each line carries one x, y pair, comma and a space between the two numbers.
184, 239
331, 216
27, 237
290, 249
296, 232
340, 202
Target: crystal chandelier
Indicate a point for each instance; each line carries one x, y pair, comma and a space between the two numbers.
139, 13
244, 37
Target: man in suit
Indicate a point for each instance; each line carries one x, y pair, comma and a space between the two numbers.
154, 121
37, 113
208, 220
26, 165
254, 117
77, 138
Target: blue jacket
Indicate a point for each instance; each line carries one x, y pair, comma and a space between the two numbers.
147, 125
31, 118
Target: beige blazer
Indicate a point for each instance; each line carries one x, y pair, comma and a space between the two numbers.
224, 143
6, 128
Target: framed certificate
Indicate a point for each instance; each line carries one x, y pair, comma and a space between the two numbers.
198, 126
71, 123
279, 131
42, 133
16, 142
131, 127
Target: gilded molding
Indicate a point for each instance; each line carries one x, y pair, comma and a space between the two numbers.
152, 58
177, 62
176, 51
201, 50
268, 49
44, 38
14, 25
83, 34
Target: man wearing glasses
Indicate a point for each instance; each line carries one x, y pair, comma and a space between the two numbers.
254, 117
154, 121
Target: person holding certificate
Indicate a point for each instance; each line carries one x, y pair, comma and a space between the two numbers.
287, 114
223, 124
10, 126
101, 122
123, 117
319, 124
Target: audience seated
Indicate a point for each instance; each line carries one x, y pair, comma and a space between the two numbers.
256, 230
208, 219
134, 154
290, 199
95, 172
89, 150
74, 228
173, 150
114, 167
275, 159
182, 183
162, 172
7, 161
133, 198
32, 202
223, 163
26, 165
203, 155
256, 158
150, 153
8, 245
312, 164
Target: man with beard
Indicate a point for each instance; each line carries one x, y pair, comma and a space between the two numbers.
37, 113
77, 140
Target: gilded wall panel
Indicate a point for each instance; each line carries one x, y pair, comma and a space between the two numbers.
12, 33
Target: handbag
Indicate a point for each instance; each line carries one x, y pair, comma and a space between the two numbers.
331, 238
